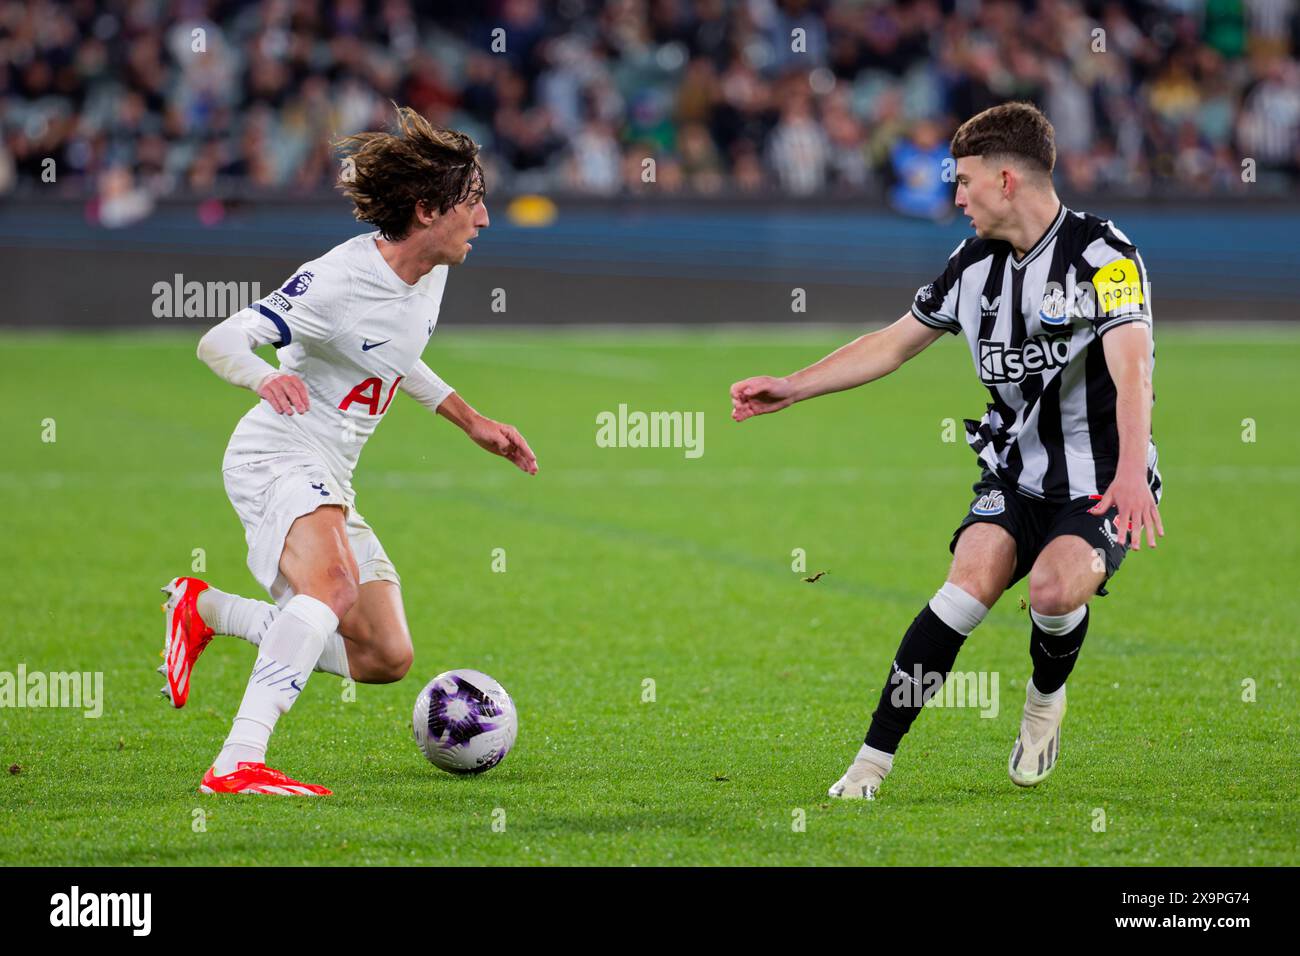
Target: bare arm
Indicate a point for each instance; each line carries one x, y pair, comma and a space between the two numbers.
496, 437
863, 360
1128, 358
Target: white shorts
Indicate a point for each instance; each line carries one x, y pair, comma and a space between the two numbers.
270, 494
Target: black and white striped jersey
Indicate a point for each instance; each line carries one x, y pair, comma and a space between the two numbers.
1035, 328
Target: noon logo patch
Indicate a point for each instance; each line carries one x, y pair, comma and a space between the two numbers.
1117, 285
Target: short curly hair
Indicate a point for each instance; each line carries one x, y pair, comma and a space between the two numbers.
386, 175
1018, 130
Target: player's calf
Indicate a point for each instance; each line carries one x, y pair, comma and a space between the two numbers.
1062, 581
1065, 576
929, 648
318, 564
385, 664
984, 558
378, 641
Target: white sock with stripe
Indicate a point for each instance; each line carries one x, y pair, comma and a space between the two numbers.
249, 619
292, 645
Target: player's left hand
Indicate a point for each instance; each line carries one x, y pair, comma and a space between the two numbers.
1131, 495
504, 440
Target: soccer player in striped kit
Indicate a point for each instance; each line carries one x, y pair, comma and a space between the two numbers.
1055, 307
349, 328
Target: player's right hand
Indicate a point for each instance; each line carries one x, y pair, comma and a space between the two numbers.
286, 393
759, 396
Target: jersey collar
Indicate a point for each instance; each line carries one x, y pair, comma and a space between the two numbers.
385, 271
1032, 254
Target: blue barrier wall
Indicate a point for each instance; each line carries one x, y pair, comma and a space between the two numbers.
1217, 262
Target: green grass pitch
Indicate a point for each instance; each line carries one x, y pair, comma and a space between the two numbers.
628, 565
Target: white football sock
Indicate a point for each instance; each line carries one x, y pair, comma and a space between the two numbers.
334, 656
872, 755
957, 608
1037, 700
292, 645
1054, 624
249, 619
1059, 623
235, 615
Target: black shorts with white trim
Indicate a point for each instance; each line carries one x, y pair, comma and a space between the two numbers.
1034, 522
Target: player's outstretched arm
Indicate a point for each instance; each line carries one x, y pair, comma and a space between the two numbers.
496, 437
863, 360
1128, 359
227, 349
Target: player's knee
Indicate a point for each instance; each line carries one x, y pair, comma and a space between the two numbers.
1049, 592
977, 585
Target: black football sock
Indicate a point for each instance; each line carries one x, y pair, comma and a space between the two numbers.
1054, 654
929, 647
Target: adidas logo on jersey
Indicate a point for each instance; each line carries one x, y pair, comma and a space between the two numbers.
1001, 364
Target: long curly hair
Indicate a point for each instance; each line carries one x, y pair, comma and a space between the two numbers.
387, 174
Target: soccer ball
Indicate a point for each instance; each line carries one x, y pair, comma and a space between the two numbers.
464, 721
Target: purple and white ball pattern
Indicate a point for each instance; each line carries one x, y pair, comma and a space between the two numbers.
464, 721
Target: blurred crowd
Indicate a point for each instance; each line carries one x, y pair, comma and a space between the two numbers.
136, 99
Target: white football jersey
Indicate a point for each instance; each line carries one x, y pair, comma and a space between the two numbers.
351, 329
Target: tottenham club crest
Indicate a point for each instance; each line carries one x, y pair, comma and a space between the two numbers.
991, 503
298, 284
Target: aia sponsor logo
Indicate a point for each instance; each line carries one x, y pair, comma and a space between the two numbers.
369, 394
1001, 364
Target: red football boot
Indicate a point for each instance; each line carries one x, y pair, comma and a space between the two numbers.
259, 778
187, 636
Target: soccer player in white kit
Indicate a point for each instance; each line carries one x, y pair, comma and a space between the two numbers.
350, 328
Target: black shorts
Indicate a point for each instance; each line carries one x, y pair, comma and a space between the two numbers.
1033, 522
